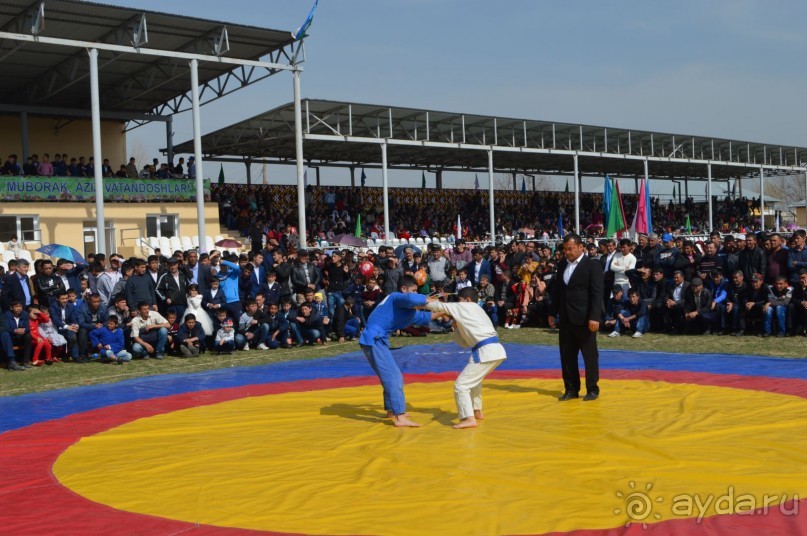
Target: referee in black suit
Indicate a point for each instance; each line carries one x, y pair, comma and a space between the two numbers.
577, 302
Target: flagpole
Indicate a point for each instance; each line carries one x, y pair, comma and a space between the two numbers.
576, 197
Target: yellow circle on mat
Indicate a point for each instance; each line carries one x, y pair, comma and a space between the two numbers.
325, 462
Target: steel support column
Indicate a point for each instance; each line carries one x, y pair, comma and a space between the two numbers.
298, 145
385, 185
197, 152
491, 198
98, 155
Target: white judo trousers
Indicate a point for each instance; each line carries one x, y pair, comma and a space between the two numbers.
468, 386
472, 327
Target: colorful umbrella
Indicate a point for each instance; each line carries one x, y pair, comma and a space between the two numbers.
60, 251
228, 243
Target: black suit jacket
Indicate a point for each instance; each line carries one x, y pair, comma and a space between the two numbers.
12, 290
581, 300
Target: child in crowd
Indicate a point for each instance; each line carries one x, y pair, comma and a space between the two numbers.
108, 340
171, 347
225, 338
613, 307
462, 280
289, 313
44, 338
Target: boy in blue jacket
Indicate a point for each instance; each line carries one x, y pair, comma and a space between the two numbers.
108, 340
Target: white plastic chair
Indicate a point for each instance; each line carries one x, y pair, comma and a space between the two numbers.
195, 241
209, 244
186, 243
8, 256
4, 265
176, 243
419, 241
25, 254
153, 242
165, 246
2, 247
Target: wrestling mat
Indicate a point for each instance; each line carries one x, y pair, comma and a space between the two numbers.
676, 444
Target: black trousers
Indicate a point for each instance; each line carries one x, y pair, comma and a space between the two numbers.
574, 340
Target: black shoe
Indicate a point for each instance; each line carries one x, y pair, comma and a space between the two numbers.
568, 395
766, 335
591, 396
15, 366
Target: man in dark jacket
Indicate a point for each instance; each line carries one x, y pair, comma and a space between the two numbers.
15, 329
577, 302
310, 324
172, 289
90, 315
63, 316
699, 314
752, 259
141, 287
304, 275
346, 324
46, 283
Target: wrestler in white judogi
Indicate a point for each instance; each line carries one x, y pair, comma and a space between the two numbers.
472, 329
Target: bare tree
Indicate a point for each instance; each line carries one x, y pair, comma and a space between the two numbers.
790, 189
138, 151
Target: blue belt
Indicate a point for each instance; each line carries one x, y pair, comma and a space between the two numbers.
480, 344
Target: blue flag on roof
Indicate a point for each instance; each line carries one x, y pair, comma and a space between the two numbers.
300, 33
560, 225
523, 185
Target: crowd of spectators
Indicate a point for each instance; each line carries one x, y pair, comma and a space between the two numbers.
62, 165
332, 211
277, 296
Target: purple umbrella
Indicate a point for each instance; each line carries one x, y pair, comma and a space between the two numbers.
350, 241
792, 226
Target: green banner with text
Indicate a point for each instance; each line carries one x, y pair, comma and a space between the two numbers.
83, 189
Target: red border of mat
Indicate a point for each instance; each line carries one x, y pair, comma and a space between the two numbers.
34, 502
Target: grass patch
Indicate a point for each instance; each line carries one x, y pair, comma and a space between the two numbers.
66, 375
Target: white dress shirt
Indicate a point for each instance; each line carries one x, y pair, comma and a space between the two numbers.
570, 267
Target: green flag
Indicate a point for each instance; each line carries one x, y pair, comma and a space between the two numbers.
688, 226
616, 217
423, 181
358, 226
221, 174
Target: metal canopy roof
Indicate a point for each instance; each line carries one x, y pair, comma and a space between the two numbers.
339, 133
41, 75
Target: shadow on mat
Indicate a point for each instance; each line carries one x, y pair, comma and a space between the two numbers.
356, 412
520, 389
367, 413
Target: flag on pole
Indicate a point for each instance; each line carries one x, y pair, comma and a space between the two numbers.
688, 225
264, 175
560, 225
363, 178
221, 174
523, 185
301, 31
567, 186
606, 199
649, 205
358, 225
640, 218
476, 182
459, 227
423, 181
616, 214
673, 193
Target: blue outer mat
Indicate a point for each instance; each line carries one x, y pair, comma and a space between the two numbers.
21, 411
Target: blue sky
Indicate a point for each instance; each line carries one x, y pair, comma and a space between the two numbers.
718, 68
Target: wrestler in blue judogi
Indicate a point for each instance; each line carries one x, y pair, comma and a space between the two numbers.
396, 311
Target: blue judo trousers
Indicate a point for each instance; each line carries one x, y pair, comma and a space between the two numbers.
396, 311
